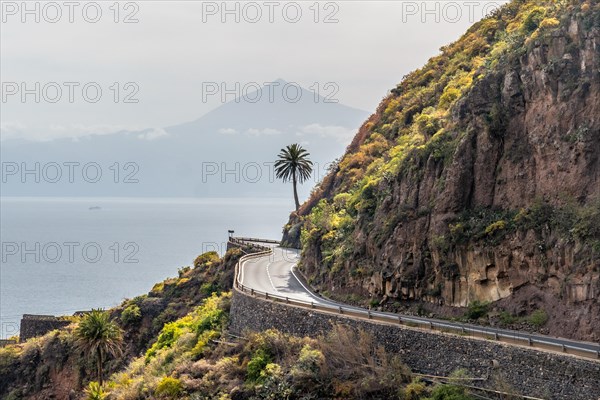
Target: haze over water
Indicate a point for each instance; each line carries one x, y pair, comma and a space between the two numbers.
142, 241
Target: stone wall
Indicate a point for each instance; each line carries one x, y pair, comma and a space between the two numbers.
38, 325
531, 372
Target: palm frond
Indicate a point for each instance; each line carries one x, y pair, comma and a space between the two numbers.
293, 162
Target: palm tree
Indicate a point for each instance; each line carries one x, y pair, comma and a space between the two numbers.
98, 336
293, 164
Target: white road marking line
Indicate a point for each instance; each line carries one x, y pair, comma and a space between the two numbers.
302, 284
271, 280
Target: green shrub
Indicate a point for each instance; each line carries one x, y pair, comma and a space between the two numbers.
450, 94
207, 288
548, 23
507, 318
373, 303
368, 198
206, 259
449, 392
413, 391
181, 272
158, 288
588, 224
490, 225
9, 356
440, 243
533, 19
309, 362
494, 227
95, 392
169, 334
441, 147
131, 314
169, 388
257, 364
206, 318
271, 371
341, 200
477, 310
538, 318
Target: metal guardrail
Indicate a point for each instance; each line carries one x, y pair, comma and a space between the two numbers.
245, 239
397, 319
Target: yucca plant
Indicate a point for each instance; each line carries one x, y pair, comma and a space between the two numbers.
94, 391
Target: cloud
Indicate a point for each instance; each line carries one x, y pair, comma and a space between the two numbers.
11, 130
77, 131
251, 131
227, 131
340, 133
263, 132
16, 130
153, 134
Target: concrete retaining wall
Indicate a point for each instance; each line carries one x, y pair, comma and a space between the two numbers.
531, 372
38, 325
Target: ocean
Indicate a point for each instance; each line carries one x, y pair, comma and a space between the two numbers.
61, 255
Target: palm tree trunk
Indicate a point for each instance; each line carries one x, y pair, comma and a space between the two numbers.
100, 381
295, 191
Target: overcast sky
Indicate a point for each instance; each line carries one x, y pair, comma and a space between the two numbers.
176, 47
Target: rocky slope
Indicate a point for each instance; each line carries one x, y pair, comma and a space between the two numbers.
477, 179
51, 366
177, 347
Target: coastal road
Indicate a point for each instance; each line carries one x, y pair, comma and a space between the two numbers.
275, 274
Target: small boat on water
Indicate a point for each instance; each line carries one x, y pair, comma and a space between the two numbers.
95, 208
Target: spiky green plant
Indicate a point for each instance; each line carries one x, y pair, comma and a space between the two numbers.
98, 336
94, 391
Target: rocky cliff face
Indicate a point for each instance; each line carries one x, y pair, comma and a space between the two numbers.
478, 178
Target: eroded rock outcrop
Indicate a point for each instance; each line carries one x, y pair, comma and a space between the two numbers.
498, 202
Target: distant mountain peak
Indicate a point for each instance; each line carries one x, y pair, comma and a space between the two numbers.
276, 105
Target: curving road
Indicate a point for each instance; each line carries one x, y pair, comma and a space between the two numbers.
275, 274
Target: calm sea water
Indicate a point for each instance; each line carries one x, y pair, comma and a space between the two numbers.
62, 255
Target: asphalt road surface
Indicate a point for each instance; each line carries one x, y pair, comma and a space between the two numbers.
275, 274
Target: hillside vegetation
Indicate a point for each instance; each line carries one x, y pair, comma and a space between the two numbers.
52, 366
193, 356
476, 180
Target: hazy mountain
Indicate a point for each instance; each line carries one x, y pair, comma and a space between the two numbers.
226, 152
